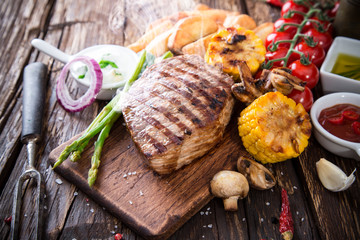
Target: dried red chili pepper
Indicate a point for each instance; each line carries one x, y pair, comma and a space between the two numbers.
277, 3
286, 227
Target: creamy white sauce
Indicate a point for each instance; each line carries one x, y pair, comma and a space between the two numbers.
110, 73
125, 65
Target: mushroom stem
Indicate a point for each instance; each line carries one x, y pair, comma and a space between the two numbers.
231, 203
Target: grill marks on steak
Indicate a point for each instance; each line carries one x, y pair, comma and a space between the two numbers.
178, 110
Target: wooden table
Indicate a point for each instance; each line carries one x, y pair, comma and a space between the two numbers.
69, 213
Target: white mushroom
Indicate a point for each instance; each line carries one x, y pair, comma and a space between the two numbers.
230, 186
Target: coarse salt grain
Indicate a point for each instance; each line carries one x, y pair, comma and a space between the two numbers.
208, 209
112, 232
45, 207
58, 181
129, 173
115, 226
76, 193
281, 173
201, 213
87, 204
125, 175
133, 173
206, 213
131, 202
92, 210
267, 204
302, 219
294, 187
297, 212
243, 219
210, 226
141, 193
261, 219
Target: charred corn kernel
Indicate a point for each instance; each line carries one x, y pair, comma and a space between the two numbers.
273, 128
231, 45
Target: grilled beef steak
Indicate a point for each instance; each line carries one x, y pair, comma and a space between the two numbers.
178, 110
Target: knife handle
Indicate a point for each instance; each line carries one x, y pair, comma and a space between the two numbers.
34, 85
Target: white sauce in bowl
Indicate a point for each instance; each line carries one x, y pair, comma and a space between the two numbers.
117, 65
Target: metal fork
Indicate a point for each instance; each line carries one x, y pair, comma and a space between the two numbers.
34, 84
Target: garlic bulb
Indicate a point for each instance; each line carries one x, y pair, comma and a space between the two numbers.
332, 177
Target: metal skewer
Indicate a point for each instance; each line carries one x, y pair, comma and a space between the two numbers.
34, 83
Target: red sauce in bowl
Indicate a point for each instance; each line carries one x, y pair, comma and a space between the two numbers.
341, 121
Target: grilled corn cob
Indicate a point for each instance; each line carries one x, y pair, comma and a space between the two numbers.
273, 128
231, 45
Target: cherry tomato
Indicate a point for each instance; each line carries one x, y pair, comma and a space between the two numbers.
350, 115
278, 36
324, 39
304, 97
290, 29
332, 12
326, 26
316, 54
308, 73
356, 127
290, 5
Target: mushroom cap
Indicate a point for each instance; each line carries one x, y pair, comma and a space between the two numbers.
227, 183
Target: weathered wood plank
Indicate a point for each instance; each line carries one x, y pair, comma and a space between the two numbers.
337, 214
18, 26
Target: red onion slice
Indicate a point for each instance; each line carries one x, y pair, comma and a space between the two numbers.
62, 92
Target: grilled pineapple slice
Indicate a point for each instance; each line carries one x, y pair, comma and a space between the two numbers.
231, 45
274, 128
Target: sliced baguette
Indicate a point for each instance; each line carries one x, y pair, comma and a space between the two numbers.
145, 39
189, 30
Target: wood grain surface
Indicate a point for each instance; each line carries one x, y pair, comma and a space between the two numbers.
70, 212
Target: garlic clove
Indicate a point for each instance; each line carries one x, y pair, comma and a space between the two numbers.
332, 177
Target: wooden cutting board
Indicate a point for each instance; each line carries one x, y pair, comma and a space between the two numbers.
152, 205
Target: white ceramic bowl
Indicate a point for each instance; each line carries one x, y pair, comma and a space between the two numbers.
330, 142
128, 58
335, 83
